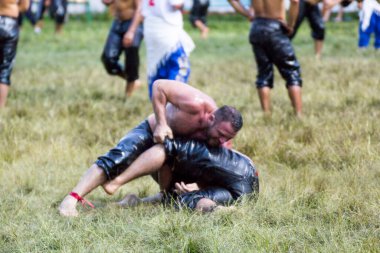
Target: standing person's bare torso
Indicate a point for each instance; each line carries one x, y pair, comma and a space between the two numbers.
9, 8
273, 9
124, 9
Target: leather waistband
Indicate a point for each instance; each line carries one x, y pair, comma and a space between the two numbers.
7, 20
274, 23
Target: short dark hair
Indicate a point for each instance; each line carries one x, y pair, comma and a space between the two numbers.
229, 113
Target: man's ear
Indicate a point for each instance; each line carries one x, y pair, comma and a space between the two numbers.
211, 118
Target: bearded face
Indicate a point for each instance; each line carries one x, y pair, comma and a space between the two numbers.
219, 133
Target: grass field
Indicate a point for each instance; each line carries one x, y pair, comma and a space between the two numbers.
319, 177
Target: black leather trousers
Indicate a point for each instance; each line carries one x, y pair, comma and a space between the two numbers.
272, 46
114, 48
9, 33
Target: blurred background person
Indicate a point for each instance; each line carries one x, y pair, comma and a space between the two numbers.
269, 37
125, 35
340, 13
309, 9
9, 33
40, 9
168, 46
58, 10
29, 15
369, 23
198, 16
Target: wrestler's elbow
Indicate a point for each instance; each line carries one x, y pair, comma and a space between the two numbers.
157, 86
159, 89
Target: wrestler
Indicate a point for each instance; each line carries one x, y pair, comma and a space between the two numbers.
224, 175
39, 16
58, 10
326, 12
198, 16
125, 35
29, 15
41, 7
179, 110
271, 46
310, 10
9, 33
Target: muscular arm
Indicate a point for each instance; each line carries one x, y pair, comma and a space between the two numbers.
182, 96
293, 13
23, 5
137, 19
236, 4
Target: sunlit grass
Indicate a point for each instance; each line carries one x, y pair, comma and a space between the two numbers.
319, 177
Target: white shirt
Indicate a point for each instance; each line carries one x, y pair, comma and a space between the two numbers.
369, 6
163, 9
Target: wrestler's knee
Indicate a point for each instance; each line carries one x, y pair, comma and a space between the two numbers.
192, 20
5, 79
294, 86
205, 205
106, 59
111, 64
97, 170
105, 166
60, 16
319, 32
260, 84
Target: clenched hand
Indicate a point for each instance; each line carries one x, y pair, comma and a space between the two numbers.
161, 132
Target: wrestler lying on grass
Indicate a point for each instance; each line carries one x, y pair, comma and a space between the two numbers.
223, 175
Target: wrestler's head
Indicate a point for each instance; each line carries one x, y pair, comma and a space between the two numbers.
226, 121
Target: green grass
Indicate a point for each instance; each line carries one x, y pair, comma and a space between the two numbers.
319, 178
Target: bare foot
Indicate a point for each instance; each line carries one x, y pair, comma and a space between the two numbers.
59, 29
110, 187
68, 207
129, 200
204, 33
298, 115
131, 87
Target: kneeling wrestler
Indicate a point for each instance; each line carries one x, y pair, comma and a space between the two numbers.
223, 175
